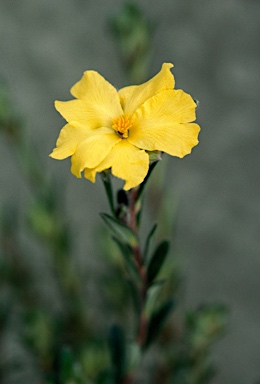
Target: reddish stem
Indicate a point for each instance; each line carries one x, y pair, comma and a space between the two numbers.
131, 222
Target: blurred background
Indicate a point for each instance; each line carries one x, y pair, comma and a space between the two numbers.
46, 45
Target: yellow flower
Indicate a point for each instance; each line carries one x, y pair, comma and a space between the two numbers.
110, 129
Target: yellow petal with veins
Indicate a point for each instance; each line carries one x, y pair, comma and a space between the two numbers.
93, 150
126, 162
94, 87
96, 104
87, 113
162, 123
69, 138
134, 96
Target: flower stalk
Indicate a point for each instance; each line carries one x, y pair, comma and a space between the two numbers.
139, 260
131, 220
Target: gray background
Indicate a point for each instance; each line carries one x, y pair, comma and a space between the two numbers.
45, 46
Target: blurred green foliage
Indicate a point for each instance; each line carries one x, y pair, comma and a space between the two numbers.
133, 33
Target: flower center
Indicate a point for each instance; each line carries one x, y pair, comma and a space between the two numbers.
121, 125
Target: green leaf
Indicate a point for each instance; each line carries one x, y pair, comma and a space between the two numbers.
125, 249
143, 184
157, 260
152, 297
123, 233
157, 321
127, 254
148, 241
118, 352
140, 192
105, 177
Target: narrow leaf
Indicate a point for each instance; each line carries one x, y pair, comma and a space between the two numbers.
152, 297
157, 321
157, 260
148, 241
105, 177
140, 192
142, 186
120, 230
127, 254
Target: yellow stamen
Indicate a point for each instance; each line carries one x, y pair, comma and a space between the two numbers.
122, 124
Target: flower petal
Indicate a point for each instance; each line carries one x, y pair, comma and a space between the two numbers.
89, 114
96, 105
93, 150
174, 105
93, 86
126, 162
98, 93
161, 123
134, 96
69, 138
